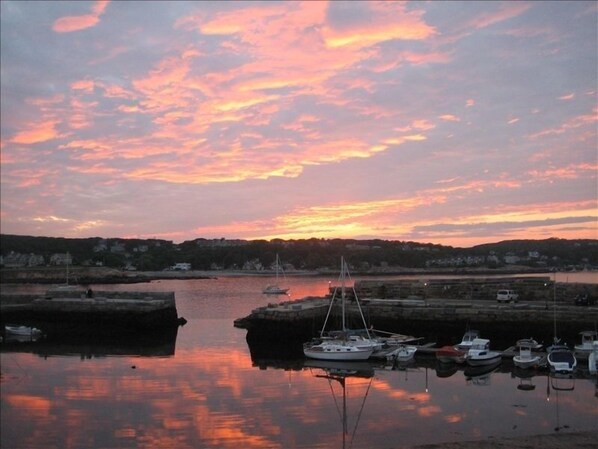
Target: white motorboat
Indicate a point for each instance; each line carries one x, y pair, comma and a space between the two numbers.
22, 333
403, 353
533, 344
479, 354
526, 359
468, 339
343, 344
275, 289
587, 343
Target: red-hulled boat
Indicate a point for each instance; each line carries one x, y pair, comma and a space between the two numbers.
450, 354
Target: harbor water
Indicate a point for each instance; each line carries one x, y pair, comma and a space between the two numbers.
205, 387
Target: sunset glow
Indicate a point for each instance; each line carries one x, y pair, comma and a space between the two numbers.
456, 123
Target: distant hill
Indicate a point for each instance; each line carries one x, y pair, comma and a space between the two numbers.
306, 254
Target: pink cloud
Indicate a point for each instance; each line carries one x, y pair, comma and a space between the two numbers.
38, 132
449, 118
506, 10
570, 124
69, 24
567, 96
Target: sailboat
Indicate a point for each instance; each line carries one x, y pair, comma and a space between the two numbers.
274, 289
560, 357
343, 344
67, 286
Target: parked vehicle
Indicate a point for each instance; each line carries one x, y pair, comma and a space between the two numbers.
507, 296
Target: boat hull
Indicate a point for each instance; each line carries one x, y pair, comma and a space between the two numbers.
562, 361
483, 361
402, 354
526, 363
448, 354
593, 363
333, 350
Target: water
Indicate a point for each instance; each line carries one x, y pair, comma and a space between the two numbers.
204, 390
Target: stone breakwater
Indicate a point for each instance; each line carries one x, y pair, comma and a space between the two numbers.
73, 311
438, 319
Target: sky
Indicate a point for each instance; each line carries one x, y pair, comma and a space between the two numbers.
456, 123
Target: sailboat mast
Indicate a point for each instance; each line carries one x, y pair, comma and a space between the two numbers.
68, 260
554, 311
343, 292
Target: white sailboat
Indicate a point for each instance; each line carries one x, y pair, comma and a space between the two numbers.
67, 286
343, 344
275, 289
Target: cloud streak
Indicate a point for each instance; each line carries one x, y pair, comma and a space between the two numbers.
68, 24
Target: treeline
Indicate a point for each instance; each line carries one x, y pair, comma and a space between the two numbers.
306, 254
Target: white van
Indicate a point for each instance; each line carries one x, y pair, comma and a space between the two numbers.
506, 296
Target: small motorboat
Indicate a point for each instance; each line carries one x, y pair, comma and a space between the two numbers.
533, 344
450, 354
526, 359
403, 353
561, 359
479, 354
22, 333
587, 343
468, 339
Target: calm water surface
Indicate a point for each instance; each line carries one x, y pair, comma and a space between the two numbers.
203, 390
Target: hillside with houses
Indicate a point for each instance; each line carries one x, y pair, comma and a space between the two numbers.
19, 252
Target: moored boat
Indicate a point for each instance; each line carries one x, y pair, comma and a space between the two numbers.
21, 333
275, 289
450, 354
587, 343
403, 353
336, 350
479, 354
593, 358
526, 359
561, 359
468, 339
529, 342
343, 344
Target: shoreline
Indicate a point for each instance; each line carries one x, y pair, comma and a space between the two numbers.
102, 275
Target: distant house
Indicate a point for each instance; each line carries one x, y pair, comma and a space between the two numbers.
117, 248
181, 266
511, 259
61, 259
18, 260
101, 246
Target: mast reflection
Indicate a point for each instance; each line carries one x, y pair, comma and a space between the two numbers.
341, 372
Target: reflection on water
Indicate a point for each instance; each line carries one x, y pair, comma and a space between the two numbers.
203, 388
